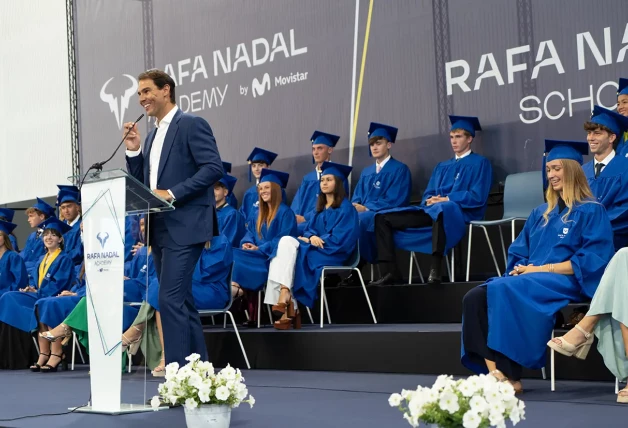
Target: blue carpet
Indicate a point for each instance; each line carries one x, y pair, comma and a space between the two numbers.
294, 399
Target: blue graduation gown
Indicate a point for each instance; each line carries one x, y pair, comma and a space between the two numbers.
33, 251
250, 203
135, 286
611, 190
13, 240
131, 235
53, 310
210, 286
338, 227
251, 267
72, 244
17, 307
13, 275
622, 147
522, 309
230, 224
467, 184
232, 200
389, 189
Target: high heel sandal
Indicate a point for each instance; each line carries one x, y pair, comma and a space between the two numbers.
47, 368
280, 308
67, 333
292, 319
162, 371
36, 367
497, 374
565, 348
623, 398
132, 346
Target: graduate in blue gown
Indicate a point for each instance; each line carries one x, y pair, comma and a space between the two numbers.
230, 220
13, 274
382, 186
259, 246
34, 248
258, 160
607, 173
558, 258
456, 194
329, 239
231, 198
209, 281
51, 311
70, 210
139, 276
304, 201
6, 214
622, 109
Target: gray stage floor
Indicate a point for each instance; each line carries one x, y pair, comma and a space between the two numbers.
295, 399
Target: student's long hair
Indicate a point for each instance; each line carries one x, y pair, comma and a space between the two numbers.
7, 241
339, 195
576, 189
267, 213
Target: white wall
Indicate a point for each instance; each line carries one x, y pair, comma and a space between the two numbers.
35, 146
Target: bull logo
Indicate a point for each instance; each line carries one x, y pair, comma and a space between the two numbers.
102, 239
118, 109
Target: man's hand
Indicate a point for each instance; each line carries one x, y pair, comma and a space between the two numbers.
136, 247
132, 140
436, 199
522, 270
300, 218
360, 208
249, 246
316, 241
163, 194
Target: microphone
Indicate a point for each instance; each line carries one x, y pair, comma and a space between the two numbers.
98, 165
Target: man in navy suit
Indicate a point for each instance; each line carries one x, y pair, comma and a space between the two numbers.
181, 164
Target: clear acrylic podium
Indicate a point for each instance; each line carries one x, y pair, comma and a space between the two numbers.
107, 197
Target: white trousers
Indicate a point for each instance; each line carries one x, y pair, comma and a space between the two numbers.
281, 269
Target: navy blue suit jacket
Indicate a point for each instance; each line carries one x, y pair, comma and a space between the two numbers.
189, 166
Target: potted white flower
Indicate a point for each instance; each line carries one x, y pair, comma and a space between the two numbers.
207, 397
478, 401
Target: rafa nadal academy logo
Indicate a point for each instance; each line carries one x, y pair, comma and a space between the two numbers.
118, 108
102, 238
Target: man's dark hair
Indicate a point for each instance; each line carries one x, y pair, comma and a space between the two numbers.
160, 79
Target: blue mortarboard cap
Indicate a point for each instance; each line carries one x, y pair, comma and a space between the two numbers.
68, 187
7, 213
229, 181
42, 206
260, 155
336, 169
381, 130
7, 227
68, 196
273, 176
226, 166
468, 123
573, 150
623, 87
610, 119
319, 137
55, 223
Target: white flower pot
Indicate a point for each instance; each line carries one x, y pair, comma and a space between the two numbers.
208, 415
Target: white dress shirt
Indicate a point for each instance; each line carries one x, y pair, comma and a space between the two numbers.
72, 223
155, 151
464, 155
380, 166
604, 161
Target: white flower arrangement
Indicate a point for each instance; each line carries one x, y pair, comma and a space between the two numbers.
196, 384
476, 402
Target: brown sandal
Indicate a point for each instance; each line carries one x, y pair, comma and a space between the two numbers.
280, 308
503, 378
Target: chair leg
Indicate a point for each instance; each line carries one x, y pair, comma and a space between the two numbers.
130, 361
309, 313
453, 266
512, 231
553, 375
418, 268
213, 320
259, 307
235, 327
448, 267
36, 344
368, 300
372, 273
501, 241
224, 320
543, 373
469, 252
616, 386
322, 296
270, 314
73, 350
410, 269
490, 247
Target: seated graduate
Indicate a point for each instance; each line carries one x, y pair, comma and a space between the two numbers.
13, 274
558, 258
231, 198
621, 143
54, 274
69, 204
258, 160
607, 173
209, 281
274, 221
456, 194
6, 214
329, 238
607, 318
384, 185
34, 248
230, 220
306, 197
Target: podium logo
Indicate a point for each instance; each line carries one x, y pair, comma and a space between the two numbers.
118, 108
258, 88
102, 239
